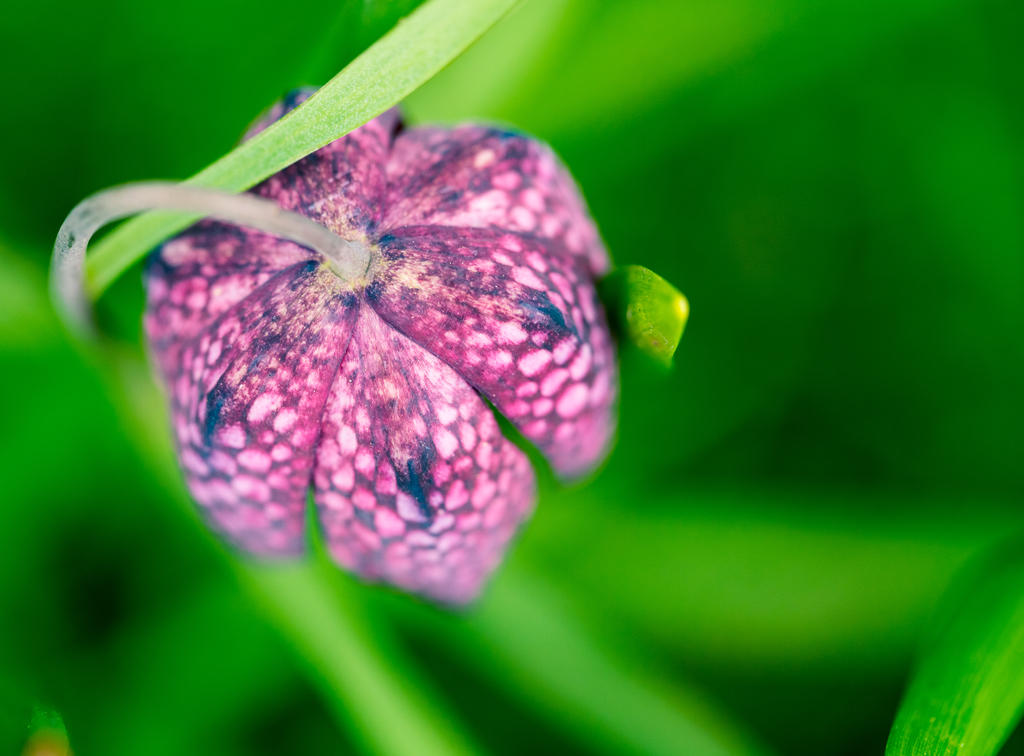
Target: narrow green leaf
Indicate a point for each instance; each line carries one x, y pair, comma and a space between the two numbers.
615, 702
399, 62
530, 635
967, 693
646, 309
356, 669
860, 574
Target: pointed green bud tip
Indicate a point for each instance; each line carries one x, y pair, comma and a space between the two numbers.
646, 310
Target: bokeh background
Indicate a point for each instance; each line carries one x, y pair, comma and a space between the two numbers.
837, 186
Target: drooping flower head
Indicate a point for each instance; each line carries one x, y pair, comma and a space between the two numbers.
372, 390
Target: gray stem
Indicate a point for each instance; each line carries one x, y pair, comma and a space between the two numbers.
348, 259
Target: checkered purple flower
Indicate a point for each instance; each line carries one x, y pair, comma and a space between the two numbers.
283, 376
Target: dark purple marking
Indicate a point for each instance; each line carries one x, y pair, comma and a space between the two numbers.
415, 484
522, 325
247, 396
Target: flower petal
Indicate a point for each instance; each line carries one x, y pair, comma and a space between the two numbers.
197, 276
247, 395
482, 177
415, 485
342, 185
522, 325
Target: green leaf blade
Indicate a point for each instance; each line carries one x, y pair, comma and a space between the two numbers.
612, 700
392, 68
647, 310
369, 682
968, 691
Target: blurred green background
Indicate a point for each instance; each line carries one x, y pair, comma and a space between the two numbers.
837, 186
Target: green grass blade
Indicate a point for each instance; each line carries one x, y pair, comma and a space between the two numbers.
352, 663
399, 62
614, 702
647, 310
532, 638
968, 691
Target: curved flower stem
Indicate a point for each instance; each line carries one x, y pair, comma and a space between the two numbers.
348, 259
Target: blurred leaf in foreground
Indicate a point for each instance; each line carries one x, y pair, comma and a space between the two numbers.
364, 679
615, 701
742, 579
646, 309
544, 648
968, 690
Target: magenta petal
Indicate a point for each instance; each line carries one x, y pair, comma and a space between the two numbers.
415, 484
197, 276
521, 324
247, 395
480, 177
